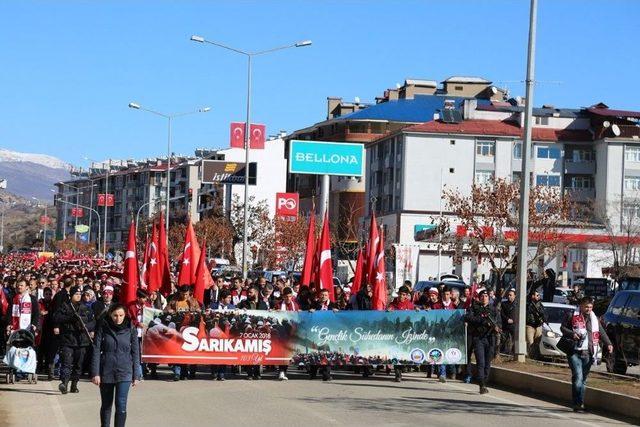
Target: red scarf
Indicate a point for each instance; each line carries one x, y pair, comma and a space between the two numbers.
21, 312
292, 306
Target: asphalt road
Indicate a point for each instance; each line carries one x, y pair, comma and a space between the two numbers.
347, 400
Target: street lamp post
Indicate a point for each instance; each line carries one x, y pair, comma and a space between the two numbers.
77, 195
44, 224
90, 210
169, 118
247, 126
147, 204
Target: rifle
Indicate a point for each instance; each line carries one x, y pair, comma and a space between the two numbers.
79, 319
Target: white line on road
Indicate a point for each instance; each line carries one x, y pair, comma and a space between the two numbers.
61, 420
544, 411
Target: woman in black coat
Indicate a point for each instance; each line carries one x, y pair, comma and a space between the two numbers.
116, 359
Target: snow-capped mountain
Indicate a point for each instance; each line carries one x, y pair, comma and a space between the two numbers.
41, 159
32, 175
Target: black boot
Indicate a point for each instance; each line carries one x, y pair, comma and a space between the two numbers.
74, 387
105, 418
121, 418
50, 370
63, 387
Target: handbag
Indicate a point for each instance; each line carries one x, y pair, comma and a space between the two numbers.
566, 345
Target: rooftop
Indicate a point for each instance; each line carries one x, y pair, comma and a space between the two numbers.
417, 110
467, 79
500, 128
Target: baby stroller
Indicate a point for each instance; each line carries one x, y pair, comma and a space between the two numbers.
21, 358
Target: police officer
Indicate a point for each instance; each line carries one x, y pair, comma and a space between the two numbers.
535, 319
508, 314
483, 320
76, 332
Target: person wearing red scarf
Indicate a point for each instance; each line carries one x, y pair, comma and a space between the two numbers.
25, 310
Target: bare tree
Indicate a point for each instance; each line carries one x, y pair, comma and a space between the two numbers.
486, 222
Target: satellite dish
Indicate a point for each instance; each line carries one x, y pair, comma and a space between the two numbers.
398, 85
357, 99
494, 90
606, 124
615, 129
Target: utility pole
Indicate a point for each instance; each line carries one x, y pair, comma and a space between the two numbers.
106, 203
523, 236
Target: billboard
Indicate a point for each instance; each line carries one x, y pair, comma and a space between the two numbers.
326, 158
287, 205
223, 172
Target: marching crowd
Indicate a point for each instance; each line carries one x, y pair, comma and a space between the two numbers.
72, 309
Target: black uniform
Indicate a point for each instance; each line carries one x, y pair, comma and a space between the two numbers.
535, 314
482, 321
74, 340
508, 311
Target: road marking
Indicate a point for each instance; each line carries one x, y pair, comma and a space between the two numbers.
61, 420
545, 411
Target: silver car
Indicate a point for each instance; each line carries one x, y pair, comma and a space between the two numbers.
555, 314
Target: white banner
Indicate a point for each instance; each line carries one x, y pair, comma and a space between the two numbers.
406, 264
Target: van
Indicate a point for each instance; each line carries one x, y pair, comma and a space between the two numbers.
622, 324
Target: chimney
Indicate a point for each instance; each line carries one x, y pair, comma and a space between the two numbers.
332, 105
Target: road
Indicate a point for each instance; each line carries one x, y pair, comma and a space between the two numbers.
347, 400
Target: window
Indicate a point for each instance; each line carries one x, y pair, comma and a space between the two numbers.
458, 87
631, 211
618, 304
483, 177
579, 156
581, 182
452, 142
632, 154
516, 176
486, 148
517, 150
543, 121
632, 183
548, 180
633, 307
549, 153
452, 170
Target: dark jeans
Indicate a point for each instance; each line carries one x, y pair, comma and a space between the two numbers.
483, 349
508, 345
72, 358
107, 391
218, 370
580, 364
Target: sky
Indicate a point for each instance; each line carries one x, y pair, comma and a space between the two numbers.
68, 69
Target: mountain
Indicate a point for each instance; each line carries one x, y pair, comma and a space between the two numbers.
32, 175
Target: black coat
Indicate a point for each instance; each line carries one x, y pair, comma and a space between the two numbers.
482, 320
100, 309
244, 305
508, 311
535, 314
72, 333
363, 300
116, 353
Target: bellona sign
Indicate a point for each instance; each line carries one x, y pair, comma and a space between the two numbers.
326, 158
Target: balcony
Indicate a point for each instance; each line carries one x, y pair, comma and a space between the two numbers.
580, 194
587, 167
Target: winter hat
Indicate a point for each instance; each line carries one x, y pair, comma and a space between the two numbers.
75, 289
433, 291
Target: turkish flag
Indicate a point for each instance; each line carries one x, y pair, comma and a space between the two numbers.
379, 299
189, 258
201, 275
324, 255
130, 276
307, 269
373, 248
164, 272
154, 278
257, 136
236, 136
107, 199
357, 278
144, 274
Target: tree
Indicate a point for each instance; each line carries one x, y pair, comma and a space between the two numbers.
260, 230
487, 221
291, 237
621, 242
218, 232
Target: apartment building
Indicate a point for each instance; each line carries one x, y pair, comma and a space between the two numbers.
139, 189
592, 154
414, 102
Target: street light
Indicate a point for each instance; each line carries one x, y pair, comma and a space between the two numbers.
106, 193
147, 204
169, 118
249, 56
44, 224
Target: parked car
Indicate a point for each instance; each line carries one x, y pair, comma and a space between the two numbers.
555, 314
423, 285
622, 324
561, 295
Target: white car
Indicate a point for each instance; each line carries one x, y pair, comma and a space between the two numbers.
555, 314
561, 295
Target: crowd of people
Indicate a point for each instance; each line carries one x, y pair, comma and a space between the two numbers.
72, 308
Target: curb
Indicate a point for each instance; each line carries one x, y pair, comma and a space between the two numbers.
560, 391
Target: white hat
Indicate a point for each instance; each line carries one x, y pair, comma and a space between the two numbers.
107, 288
